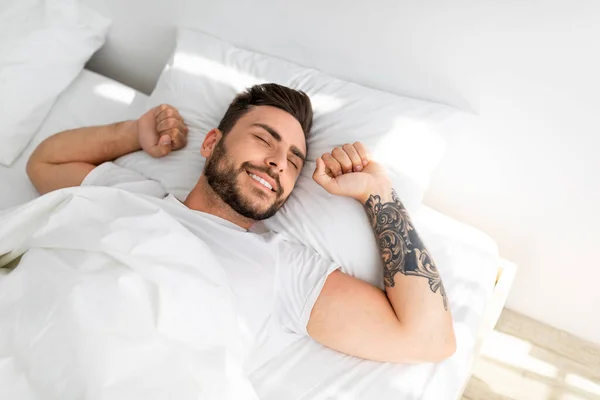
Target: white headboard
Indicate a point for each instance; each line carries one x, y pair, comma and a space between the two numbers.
528, 68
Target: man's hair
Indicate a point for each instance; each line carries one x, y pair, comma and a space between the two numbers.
294, 102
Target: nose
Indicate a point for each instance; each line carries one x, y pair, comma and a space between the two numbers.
278, 162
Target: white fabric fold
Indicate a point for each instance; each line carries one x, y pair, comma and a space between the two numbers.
113, 299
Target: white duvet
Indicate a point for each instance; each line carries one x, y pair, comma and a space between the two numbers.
113, 299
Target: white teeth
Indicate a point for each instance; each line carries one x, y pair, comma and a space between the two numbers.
261, 180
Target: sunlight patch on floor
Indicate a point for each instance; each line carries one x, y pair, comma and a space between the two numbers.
513, 351
524, 359
510, 382
583, 384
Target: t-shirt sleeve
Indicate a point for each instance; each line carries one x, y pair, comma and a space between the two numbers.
301, 274
111, 175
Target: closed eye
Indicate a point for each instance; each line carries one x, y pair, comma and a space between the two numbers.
261, 139
293, 163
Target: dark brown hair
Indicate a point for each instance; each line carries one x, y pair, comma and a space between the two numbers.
294, 102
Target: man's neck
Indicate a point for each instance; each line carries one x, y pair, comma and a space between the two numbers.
203, 198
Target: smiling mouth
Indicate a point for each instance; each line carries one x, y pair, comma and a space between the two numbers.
261, 181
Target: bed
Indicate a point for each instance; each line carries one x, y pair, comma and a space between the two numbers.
306, 370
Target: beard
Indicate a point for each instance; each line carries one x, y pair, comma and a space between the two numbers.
222, 177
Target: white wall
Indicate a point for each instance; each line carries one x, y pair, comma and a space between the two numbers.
531, 69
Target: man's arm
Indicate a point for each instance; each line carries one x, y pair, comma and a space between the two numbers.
65, 159
409, 322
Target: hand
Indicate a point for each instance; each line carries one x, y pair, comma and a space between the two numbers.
161, 130
349, 171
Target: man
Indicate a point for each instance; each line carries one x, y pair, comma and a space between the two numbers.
253, 161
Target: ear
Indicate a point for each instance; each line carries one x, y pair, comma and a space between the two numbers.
210, 141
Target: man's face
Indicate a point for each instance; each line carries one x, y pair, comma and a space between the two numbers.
255, 166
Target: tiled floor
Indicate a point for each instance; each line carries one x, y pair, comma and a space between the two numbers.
526, 360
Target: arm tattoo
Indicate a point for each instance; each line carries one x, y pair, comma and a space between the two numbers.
399, 244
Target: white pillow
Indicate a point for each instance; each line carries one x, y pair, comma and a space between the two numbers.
43, 47
203, 76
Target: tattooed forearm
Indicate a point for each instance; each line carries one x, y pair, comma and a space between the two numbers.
400, 246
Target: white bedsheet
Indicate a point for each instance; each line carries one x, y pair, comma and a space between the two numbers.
114, 299
91, 99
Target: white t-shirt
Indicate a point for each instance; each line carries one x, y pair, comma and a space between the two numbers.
275, 283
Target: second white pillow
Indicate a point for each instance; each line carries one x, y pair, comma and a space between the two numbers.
44, 45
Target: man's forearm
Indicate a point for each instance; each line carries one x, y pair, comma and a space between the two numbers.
65, 159
412, 282
93, 145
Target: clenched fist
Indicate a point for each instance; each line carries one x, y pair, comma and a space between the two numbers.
161, 130
349, 171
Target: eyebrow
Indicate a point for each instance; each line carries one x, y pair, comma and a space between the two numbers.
294, 149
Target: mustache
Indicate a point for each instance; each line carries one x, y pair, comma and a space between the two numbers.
260, 168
